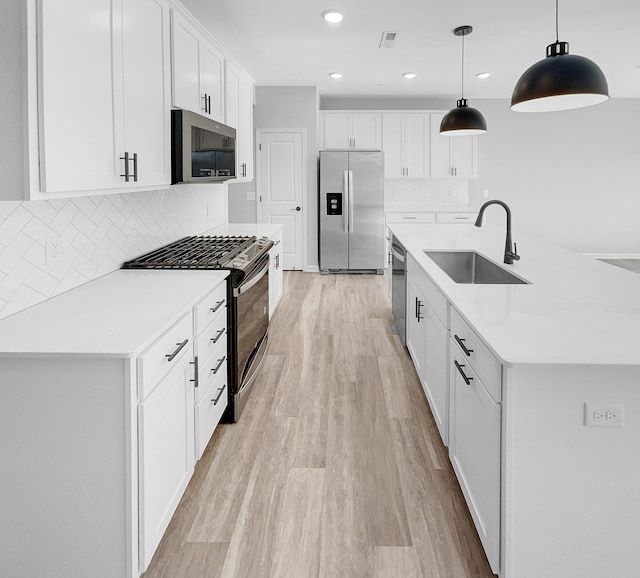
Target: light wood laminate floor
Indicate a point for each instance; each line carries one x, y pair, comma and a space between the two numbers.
336, 468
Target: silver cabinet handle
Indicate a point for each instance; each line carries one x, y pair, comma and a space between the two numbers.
218, 305
419, 305
218, 336
219, 364
171, 356
217, 398
135, 167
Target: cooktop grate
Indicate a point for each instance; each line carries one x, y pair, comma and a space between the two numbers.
202, 252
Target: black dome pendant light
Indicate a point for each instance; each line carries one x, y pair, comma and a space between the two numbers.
463, 120
561, 81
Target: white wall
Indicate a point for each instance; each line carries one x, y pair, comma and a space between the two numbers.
571, 178
292, 107
98, 234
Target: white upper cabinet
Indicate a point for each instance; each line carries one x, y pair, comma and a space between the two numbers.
147, 129
406, 145
453, 156
103, 94
198, 70
239, 115
352, 130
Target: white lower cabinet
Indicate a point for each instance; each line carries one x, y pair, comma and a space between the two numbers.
462, 381
416, 327
276, 281
428, 342
475, 436
166, 456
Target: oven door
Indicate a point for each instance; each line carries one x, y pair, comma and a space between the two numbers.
252, 321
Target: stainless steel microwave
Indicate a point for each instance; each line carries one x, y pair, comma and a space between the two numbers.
202, 150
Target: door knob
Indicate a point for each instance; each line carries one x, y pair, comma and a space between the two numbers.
296, 209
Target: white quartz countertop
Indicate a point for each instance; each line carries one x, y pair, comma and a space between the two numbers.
257, 229
576, 310
117, 315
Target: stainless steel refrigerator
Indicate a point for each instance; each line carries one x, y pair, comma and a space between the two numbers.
351, 211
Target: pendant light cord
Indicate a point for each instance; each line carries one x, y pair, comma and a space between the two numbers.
557, 35
462, 67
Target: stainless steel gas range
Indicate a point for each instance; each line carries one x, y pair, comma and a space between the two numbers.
247, 258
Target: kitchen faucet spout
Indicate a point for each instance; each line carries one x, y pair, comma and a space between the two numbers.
510, 254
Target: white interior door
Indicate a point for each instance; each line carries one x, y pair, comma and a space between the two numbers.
281, 182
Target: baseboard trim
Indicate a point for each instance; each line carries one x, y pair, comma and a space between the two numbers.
312, 269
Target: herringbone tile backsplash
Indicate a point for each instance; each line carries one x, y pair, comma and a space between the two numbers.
98, 233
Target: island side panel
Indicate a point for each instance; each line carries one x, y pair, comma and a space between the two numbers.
63, 481
571, 501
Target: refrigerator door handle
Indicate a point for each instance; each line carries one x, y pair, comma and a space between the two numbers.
351, 201
345, 193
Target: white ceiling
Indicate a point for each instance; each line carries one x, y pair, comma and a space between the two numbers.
286, 42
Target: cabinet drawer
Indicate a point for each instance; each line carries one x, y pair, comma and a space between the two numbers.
477, 355
212, 366
456, 217
212, 336
160, 357
410, 218
210, 307
209, 411
437, 301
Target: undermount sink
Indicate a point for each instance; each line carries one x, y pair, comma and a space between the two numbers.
472, 267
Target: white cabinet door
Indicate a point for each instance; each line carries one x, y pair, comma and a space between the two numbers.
146, 89
464, 156
239, 115
275, 273
406, 145
186, 65
451, 156
436, 378
166, 448
198, 70
245, 130
212, 85
474, 449
120, 49
352, 130
416, 327
78, 144
337, 131
366, 131
416, 145
392, 145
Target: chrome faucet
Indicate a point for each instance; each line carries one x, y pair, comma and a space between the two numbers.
510, 253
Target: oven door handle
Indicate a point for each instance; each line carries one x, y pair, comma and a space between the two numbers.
397, 255
244, 287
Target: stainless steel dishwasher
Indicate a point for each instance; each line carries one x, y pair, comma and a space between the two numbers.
399, 288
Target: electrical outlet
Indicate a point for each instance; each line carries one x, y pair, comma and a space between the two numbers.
603, 414
485, 193
52, 250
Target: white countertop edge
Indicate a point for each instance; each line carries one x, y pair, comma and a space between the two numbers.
49, 317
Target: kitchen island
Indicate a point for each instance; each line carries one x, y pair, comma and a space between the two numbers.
538, 399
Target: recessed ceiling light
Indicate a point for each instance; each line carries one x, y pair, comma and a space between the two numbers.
483, 74
409, 75
332, 15
335, 74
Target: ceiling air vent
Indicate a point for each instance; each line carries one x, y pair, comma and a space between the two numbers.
389, 39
